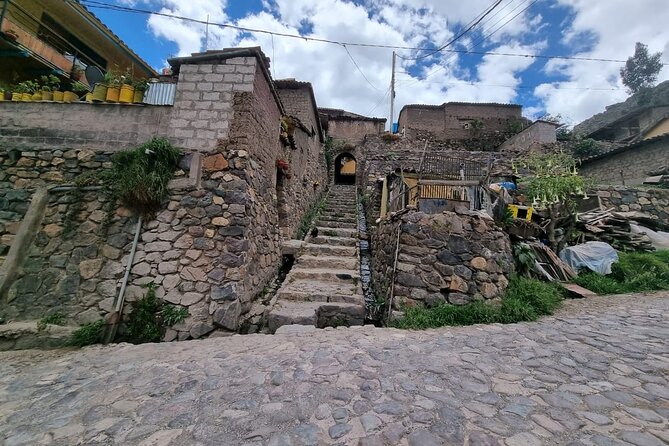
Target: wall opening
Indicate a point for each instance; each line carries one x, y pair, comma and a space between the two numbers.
345, 167
281, 203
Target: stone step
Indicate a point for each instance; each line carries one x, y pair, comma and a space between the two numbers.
25, 335
328, 250
321, 223
337, 241
315, 291
340, 214
337, 232
319, 314
336, 262
324, 274
342, 203
337, 218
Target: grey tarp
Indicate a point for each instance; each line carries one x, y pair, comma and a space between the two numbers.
596, 256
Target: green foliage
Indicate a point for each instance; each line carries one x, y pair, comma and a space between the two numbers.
524, 258
56, 318
586, 148
140, 84
50, 82
173, 314
312, 213
524, 300
641, 70
554, 178
633, 273
564, 134
515, 127
79, 87
88, 334
143, 325
139, 177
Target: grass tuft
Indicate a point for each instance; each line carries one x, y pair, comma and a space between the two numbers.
524, 300
88, 334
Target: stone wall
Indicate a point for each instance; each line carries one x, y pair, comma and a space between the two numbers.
629, 166
654, 202
451, 258
458, 120
216, 243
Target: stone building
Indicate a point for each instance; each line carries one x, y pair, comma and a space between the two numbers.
459, 120
630, 164
532, 138
350, 127
215, 245
634, 126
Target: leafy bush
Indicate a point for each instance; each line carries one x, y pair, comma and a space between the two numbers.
524, 300
634, 272
586, 148
88, 334
56, 318
143, 325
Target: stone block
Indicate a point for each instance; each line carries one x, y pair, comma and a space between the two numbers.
227, 315
224, 293
89, 268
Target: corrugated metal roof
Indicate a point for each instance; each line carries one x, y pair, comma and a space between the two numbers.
160, 93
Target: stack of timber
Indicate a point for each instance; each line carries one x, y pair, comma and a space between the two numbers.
612, 228
548, 265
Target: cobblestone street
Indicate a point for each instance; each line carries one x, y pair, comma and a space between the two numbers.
594, 374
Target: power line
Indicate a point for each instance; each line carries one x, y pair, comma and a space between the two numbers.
459, 36
378, 103
477, 84
100, 5
358, 67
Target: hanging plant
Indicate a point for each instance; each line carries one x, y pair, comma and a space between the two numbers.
139, 177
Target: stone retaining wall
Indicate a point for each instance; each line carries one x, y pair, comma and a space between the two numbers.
654, 202
443, 258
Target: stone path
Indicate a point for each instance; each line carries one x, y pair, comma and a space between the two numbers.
323, 288
594, 374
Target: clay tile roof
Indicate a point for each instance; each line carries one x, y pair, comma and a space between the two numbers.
338, 113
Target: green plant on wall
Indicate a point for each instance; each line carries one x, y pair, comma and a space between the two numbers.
150, 316
88, 334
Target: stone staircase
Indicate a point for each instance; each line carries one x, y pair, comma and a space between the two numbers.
323, 288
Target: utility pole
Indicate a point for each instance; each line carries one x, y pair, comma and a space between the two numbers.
392, 94
206, 35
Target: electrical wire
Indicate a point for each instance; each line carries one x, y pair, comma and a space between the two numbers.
358, 67
457, 37
101, 5
477, 84
378, 103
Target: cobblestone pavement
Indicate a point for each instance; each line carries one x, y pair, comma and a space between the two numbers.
595, 374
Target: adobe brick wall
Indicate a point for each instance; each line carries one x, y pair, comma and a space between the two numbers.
448, 121
352, 130
632, 166
536, 134
297, 103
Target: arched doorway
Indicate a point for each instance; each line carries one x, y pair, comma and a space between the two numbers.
344, 166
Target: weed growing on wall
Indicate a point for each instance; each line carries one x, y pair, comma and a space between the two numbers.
57, 318
89, 334
307, 219
150, 316
173, 314
524, 300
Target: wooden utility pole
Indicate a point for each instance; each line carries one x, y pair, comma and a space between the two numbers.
392, 94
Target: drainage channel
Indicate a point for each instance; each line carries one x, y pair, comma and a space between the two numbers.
365, 262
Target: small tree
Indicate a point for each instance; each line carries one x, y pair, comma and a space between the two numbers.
552, 183
641, 70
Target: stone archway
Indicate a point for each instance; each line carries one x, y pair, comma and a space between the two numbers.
345, 167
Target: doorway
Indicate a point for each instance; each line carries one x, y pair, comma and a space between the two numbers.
345, 168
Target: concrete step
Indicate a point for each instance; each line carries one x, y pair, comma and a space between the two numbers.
319, 314
337, 241
336, 262
337, 232
328, 250
323, 274
321, 223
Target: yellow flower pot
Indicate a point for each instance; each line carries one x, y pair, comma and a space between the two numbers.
47, 96
138, 97
58, 96
2, 95
99, 93
70, 96
37, 96
127, 94
89, 97
25, 97
113, 93
16, 97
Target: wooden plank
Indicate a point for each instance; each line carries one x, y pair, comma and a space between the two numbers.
578, 290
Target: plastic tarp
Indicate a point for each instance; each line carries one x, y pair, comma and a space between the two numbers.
659, 239
595, 256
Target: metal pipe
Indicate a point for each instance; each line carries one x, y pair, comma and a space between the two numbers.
392, 285
118, 307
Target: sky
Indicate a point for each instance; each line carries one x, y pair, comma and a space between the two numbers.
358, 80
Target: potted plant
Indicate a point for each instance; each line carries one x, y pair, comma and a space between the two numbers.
127, 92
76, 73
49, 84
100, 92
17, 92
78, 90
55, 87
140, 87
113, 87
36, 91
3, 88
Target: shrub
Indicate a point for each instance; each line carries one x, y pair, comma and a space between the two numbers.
56, 318
634, 272
524, 300
88, 334
143, 325
173, 314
